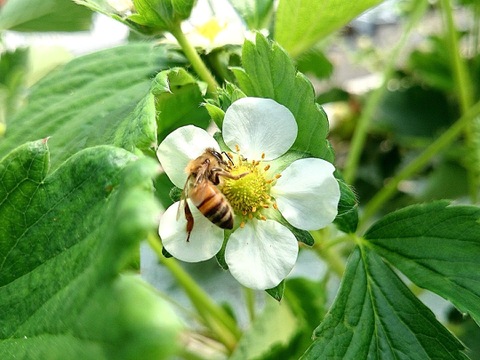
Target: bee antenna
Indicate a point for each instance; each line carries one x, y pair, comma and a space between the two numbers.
228, 157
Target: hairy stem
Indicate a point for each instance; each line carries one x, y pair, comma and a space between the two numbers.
197, 63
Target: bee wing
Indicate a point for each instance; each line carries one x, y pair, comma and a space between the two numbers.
183, 198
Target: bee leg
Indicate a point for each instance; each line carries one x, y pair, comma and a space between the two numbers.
189, 217
217, 172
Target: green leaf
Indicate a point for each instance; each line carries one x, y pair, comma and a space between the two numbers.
161, 15
269, 72
65, 237
44, 15
438, 247
302, 23
415, 111
274, 328
255, 13
84, 103
347, 217
277, 291
178, 99
315, 62
13, 68
375, 316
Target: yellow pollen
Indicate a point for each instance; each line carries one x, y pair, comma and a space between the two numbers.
263, 156
250, 194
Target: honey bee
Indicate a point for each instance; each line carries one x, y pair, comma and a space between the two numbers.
204, 174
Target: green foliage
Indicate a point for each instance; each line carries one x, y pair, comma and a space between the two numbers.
256, 13
300, 24
347, 217
73, 213
440, 253
44, 15
66, 235
178, 100
375, 316
161, 15
85, 102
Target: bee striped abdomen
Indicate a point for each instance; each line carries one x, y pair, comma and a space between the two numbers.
216, 208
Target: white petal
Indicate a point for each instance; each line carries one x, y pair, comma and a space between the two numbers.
179, 147
261, 254
205, 242
307, 194
259, 126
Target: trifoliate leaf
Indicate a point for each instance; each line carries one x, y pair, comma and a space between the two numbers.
375, 316
269, 72
65, 237
438, 247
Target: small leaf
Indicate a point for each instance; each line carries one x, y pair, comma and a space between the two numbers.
255, 13
438, 247
65, 237
315, 62
178, 99
44, 15
161, 15
375, 316
269, 72
302, 23
277, 291
347, 217
84, 103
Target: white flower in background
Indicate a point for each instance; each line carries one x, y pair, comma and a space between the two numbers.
260, 252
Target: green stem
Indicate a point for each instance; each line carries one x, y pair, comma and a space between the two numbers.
361, 130
197, 63
443, 141
250, 302
465, 97
219, 322
327, 253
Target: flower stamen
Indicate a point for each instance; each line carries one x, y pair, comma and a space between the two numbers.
250, 194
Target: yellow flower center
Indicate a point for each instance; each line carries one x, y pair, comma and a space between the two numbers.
250, 194
211, 29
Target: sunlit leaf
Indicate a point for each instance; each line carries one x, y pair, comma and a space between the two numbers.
301, 23
44, 15
65, 237
85, 102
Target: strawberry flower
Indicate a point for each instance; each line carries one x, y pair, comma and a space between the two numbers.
260, 251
